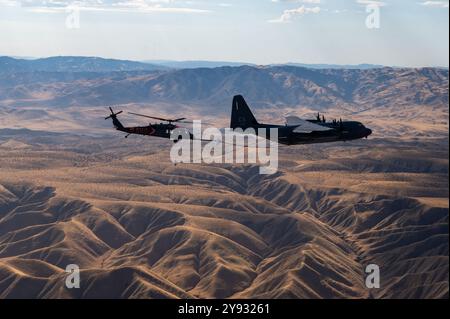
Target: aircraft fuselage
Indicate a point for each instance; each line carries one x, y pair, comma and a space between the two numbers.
349, 130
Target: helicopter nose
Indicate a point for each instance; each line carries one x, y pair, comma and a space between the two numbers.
368, 132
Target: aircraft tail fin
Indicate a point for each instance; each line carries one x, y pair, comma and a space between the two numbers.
241, 116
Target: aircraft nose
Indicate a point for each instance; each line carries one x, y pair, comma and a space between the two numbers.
368, 132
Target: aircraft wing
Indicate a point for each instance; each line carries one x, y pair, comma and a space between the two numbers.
304, 126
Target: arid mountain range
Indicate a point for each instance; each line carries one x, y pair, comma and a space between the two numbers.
73, 191
212, 88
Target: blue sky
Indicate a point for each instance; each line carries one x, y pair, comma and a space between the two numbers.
410, 33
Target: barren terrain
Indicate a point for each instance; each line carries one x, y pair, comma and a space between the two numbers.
74, 191
140, 227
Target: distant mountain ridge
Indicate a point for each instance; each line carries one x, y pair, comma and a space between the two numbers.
195, 64
97, 64
363, 66
212, 88
264, 86
218, 64
73, 64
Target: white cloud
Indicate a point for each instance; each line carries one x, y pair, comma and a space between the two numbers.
54, 6
302, 1
371, 3
288, 15
9, 3
435, 4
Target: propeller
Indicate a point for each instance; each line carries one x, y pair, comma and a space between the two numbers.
113, 114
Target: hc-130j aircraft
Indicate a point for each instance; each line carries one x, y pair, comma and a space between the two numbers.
296, 131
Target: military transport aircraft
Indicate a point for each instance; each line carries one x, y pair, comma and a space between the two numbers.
296, 130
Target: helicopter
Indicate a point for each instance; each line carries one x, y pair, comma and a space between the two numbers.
162, 130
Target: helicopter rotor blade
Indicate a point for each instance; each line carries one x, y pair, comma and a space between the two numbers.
182, 120
151, 117
192, 122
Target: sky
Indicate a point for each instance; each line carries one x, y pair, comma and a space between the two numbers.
391, 32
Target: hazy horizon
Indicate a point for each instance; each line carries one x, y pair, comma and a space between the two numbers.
162, 61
